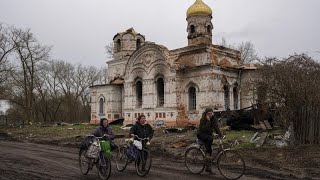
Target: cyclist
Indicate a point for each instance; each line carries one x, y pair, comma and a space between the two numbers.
208, 122
141, 129
104, 129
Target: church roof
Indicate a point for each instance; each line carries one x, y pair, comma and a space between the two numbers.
130, 31
199, 8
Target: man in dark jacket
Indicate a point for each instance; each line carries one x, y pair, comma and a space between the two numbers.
141, 129
104, 129
207, 123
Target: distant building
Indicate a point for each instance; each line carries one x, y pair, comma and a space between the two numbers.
4, 106
172, 85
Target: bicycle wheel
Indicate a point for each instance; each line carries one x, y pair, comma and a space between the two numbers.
231, 164
194, 160
143, 162
84, 162
104, 166
122, 159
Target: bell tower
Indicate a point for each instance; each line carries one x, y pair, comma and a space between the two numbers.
200, 27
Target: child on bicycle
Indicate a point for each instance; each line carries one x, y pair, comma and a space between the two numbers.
205, 132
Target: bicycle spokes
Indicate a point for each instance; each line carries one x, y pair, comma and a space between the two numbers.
231, 164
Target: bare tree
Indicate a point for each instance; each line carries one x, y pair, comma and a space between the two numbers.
6, 48
293, 86
29, 53
109, 50
247, 50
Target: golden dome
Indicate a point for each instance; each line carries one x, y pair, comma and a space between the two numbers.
199, 8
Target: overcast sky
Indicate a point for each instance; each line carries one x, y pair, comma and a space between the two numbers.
78, 30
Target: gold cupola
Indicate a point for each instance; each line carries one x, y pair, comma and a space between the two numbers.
199, 8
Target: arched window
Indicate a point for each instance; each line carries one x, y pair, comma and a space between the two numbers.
192, 29
209, 29
160, 91
235, 97
139, 93
118, 45
226, 97
192, 98
101, 106
138, 43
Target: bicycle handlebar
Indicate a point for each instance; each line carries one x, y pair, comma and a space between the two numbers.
141, 139
98, 137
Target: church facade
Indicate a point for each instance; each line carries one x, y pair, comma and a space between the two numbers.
172, 85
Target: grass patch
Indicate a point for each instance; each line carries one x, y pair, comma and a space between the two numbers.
247, 145
242, 136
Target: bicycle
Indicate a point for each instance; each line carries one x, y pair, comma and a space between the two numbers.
98, 154
139, 154
230, 163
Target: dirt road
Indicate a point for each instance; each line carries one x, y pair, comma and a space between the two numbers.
37, 161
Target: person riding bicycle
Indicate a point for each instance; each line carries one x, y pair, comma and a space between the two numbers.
141, 129
205, 132
105, 130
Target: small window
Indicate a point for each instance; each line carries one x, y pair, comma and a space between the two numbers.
226, 97
192, 29
101, 106
209, 29
138, 43
192, 99
235, 97
118, 45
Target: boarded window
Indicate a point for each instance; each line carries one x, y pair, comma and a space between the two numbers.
139, 94
109, 116
160, 91
116, 116
192, 98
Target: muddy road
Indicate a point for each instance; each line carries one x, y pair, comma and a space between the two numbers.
37, 161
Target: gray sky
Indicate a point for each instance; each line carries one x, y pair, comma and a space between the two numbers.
79, 29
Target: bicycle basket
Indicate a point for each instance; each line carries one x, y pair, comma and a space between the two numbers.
105, 146
132, 152
93, 151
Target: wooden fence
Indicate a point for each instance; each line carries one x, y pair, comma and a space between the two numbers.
307, 125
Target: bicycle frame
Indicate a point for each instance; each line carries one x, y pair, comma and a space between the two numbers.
221, 148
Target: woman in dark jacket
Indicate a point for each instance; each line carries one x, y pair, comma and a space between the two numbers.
104, 129
207, 123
